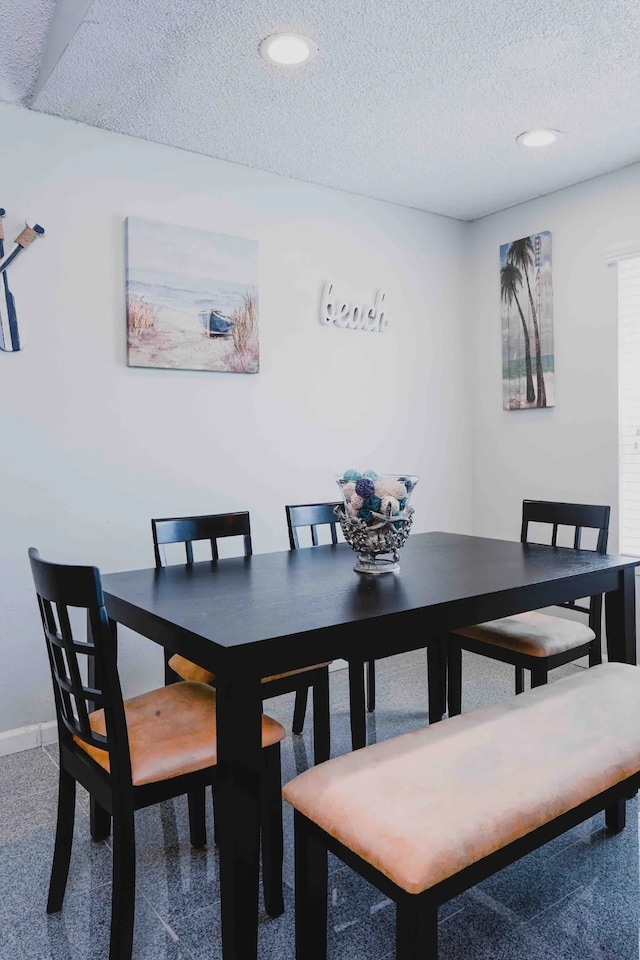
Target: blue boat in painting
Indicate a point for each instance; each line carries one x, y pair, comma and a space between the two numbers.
215, 324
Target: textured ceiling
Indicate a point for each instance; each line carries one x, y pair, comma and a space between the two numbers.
23, 30
413, 101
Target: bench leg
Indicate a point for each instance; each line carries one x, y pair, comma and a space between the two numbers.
615, 816
311, 869
454, 674
416, 929
539, 676
519, 680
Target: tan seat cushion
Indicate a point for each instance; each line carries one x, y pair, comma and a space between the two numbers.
172, 731
533, 633
423, 806
191, 671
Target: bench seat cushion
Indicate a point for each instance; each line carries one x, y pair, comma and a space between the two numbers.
536, 634
423, 806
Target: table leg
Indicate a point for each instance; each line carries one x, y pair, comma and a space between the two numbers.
357, 704
321, 720
437, 650
620, 618
239, 710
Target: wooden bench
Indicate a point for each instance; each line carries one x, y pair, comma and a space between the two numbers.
429, 814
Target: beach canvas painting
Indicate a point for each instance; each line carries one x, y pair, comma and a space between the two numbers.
527, 323
192, 299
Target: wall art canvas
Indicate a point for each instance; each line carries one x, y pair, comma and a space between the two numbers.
527, 323
192, 299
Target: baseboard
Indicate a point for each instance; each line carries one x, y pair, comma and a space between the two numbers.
26, 738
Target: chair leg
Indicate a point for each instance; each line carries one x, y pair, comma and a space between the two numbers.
595, 652
213, 814
371, 686
519, 680
321, 722
99, 821
300, 757
272, 840
615, 816
169, 675
64, 840
416, 929
300, 710
357, 704
124, 883
311, 868
197, 826
454, 677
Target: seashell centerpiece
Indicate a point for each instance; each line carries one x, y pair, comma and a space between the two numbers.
375, 517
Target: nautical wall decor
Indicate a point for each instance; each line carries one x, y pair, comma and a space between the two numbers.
527, 323
9, 333
352, 316
192, 299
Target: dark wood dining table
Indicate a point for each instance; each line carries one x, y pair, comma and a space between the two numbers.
251, 617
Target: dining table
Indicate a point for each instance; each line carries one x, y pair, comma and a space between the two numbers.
249, 617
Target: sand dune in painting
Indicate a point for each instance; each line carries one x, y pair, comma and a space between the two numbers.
178, 343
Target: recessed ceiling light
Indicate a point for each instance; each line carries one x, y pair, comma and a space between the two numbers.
537, 138
287, 49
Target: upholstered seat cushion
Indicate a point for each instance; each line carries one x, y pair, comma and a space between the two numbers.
533, 633
423, 806
191, 671
172, 731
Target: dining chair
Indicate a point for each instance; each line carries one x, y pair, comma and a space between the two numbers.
213, 527
313, 516
130, 754
310, 517
538, 641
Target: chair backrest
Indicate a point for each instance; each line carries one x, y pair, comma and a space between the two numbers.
59, 589
312, 515
187, 530
579, 516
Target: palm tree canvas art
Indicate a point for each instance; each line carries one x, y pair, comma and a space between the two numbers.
527, 323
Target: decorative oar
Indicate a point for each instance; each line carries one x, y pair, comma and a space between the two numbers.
25, 238
7, 293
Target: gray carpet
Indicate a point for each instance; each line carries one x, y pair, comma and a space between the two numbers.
575, 898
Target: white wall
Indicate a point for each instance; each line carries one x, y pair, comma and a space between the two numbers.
569, 451
91, 449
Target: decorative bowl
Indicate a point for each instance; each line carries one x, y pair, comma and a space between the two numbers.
375, 517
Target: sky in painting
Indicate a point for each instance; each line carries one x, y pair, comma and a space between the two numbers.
194, 254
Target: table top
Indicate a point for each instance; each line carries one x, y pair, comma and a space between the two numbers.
453, 579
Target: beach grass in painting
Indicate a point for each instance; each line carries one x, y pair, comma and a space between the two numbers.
192, 299
528, 377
